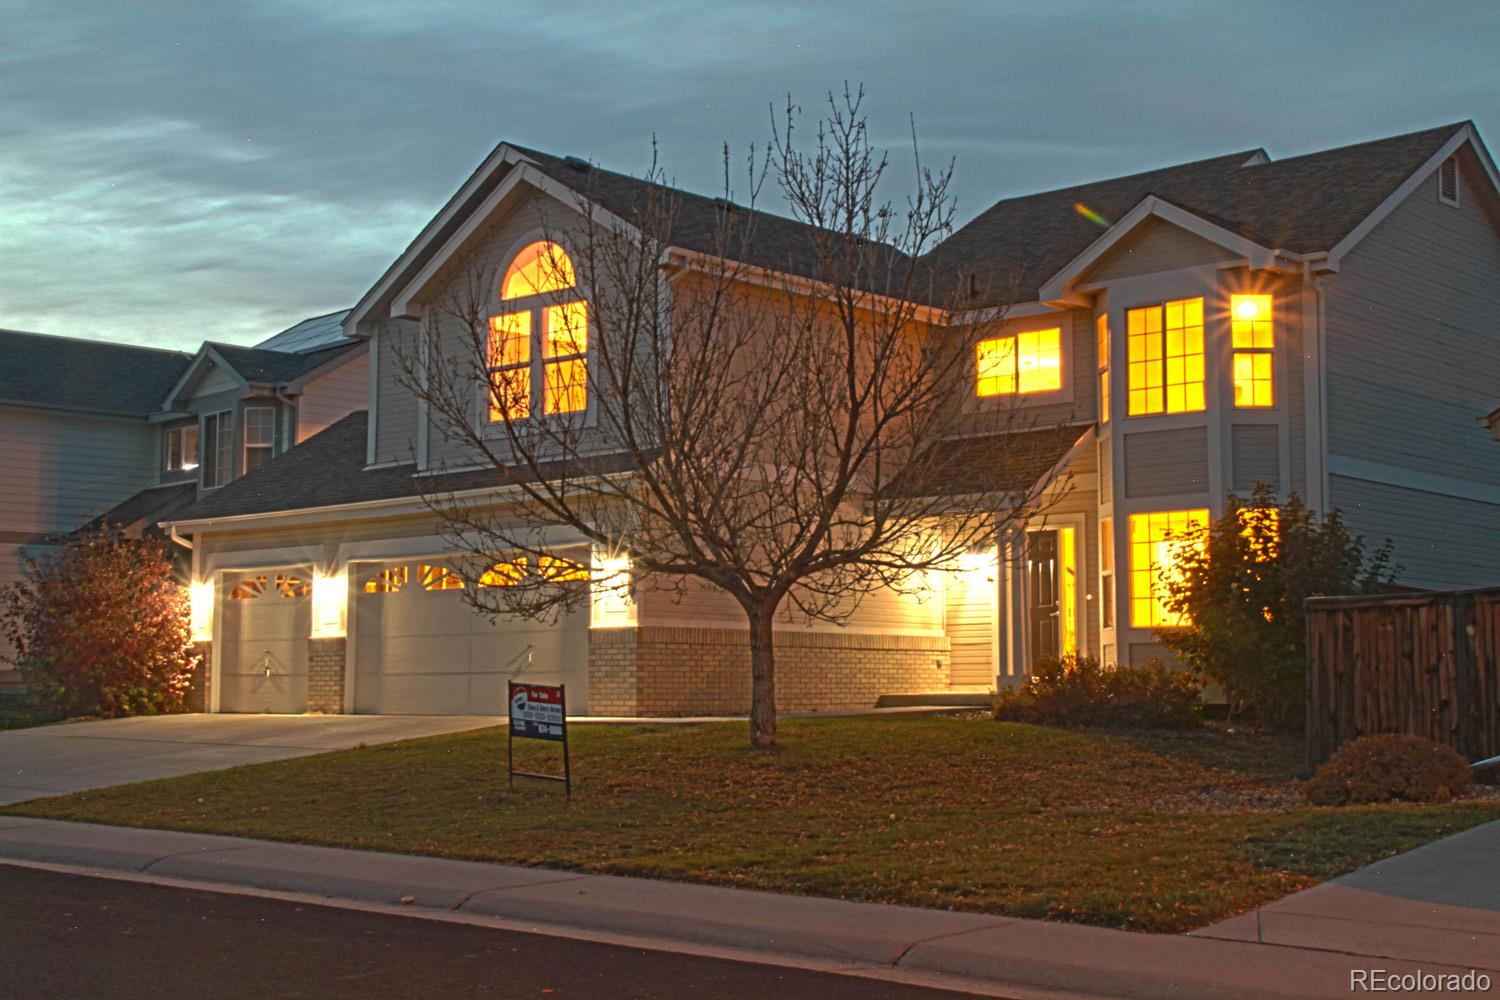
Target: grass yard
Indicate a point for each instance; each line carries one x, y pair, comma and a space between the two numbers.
1147, 832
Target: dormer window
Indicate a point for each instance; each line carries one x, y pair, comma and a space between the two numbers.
260, 435
538, 350
1448, 182
218, 448
181, 448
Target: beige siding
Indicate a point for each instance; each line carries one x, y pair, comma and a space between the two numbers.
331, 397
1413, 324
1439, 541
971, 608
395, 405
61, 470
1166, 463
1256, 450
1153, 247
704, 606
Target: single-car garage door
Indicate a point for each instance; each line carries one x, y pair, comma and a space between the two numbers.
263, 657
421, 649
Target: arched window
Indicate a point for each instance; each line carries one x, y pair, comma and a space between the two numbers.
539, 338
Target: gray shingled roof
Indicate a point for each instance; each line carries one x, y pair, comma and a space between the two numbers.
1303, 204
93, 375
275, 367
328, 469
146, 508
312, 334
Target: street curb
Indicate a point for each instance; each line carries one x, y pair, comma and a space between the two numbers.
1012, 956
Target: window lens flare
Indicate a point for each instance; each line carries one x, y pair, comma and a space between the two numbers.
330, 593
1246, 307
1091, 215
201, 610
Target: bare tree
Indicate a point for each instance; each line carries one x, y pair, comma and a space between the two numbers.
761, 404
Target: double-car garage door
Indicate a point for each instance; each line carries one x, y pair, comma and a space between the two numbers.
418, 647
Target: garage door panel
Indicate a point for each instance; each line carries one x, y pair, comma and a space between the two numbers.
429, 652
263, 658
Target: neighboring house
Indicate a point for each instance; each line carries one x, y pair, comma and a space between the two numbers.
1324, 324
96, 432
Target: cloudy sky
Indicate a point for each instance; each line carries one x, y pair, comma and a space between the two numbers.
175, 172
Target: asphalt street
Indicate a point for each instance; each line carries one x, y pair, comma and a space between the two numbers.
76, 936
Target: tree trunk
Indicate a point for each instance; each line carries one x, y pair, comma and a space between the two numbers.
762, 678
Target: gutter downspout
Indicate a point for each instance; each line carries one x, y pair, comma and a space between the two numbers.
1314, 284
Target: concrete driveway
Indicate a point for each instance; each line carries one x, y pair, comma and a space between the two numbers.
55, 760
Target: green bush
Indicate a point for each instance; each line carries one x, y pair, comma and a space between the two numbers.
100, 627
1078, 691
1389, 767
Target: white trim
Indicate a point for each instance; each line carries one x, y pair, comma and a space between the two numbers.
372, 402
1396, 197
403, 307
501, 155
206, 352
1018, 310
1411, 479
1057, 290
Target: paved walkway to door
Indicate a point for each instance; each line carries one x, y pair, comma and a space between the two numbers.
54, 760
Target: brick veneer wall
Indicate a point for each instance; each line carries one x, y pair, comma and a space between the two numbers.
657, 670
325, 675
199, 681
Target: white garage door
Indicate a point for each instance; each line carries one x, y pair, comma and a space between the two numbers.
263, 659
420, 649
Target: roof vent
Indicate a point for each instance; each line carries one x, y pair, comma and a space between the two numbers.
578, 163
1448, 181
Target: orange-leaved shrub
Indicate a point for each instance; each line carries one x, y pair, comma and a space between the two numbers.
1079, 691
100, 627
1391, 766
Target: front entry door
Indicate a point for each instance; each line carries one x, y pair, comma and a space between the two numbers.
1046, 595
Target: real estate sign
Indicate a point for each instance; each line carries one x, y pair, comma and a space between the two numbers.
536, 712
539, 712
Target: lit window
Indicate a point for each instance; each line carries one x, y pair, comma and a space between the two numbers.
1027, 362
218, 448
1102, 335
1155, 541
292, 586
540, 348
182, 449
1067, 597
387, 581
248, 589
1107, 571
260, 435
549, 569
1254, 337
439, 578
1165, 357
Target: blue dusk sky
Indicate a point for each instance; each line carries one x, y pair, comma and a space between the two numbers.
175, 172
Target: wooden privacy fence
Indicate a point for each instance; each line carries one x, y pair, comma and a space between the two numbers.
1426, 664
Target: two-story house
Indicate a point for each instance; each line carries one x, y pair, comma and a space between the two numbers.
93, 431
1323, 324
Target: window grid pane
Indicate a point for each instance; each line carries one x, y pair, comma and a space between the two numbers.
1143, 360
995, 362
1184, 356
1152, 557
1253, 334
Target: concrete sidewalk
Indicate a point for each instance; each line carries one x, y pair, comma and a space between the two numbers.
1290, 949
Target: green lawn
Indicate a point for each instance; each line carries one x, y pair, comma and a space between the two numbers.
1157, 833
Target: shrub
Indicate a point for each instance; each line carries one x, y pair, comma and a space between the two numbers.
1078, 691
100, 627
1389, 767
1239, 585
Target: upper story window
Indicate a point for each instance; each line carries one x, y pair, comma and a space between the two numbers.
218, 448
1024, 363
1254, 337
1101, 333
260, 436
182, 449
538, 358
1165, 357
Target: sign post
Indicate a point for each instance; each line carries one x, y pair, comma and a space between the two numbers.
539, 712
